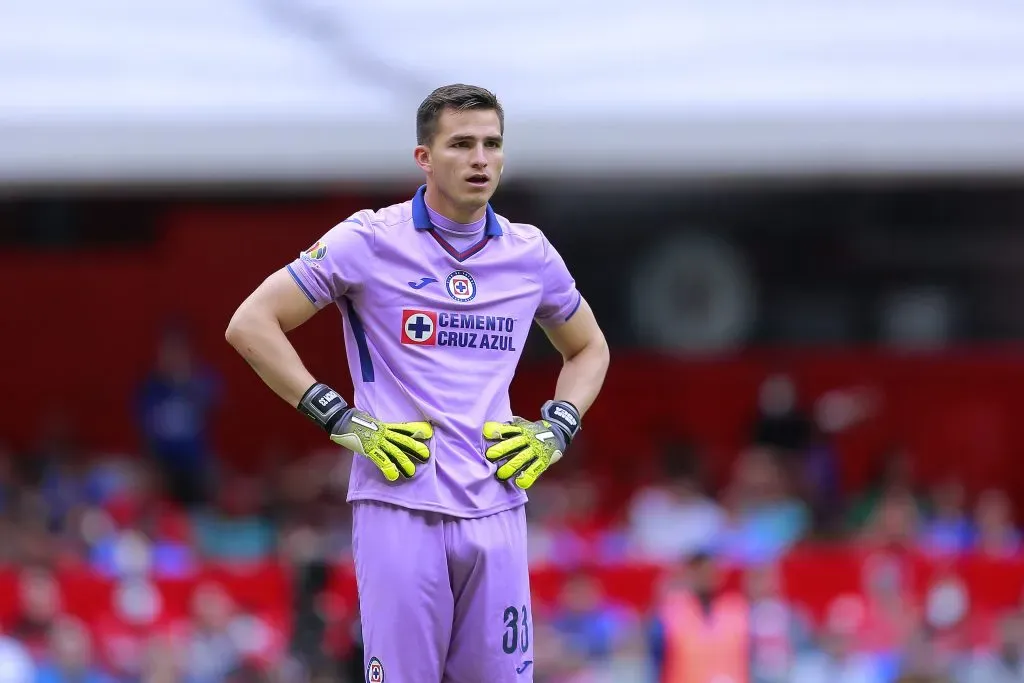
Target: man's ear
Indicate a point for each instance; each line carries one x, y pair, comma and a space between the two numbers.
421, 155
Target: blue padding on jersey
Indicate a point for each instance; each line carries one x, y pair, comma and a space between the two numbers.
302, 286
359, 332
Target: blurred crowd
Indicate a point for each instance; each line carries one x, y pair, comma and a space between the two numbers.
165, 515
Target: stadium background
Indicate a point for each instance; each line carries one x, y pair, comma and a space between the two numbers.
799, 225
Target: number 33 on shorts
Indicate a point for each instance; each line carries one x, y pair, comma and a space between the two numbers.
517, 635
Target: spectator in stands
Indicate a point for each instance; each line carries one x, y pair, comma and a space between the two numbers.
36, 544
561, 531
57, 469
135, 616
894, 474
891, 617
765, 519
143, 537
778, 629
174, 406
836, 661
993, 517
835, 411
161, 662
781, 423
948, 528
69, 659
209, 652
588, 621
1006, 663
948, 617
700, 633
894, 522
920, 661
786, 428
40, 605
818, 480
673, 517
235, 531
556, 661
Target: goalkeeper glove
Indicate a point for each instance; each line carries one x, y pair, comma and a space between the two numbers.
529, 448
391, 446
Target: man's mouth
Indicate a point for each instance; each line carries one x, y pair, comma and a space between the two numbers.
478, 179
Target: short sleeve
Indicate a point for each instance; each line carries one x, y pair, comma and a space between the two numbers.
336, 263
560, 299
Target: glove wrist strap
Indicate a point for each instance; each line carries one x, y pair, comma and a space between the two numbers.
564, 416
323, 405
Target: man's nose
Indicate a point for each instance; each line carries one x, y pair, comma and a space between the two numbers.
479, 157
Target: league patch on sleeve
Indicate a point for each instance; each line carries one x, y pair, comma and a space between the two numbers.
317, 252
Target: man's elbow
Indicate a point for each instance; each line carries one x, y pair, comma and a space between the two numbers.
602, 354
239, 327
233, 332
605, 352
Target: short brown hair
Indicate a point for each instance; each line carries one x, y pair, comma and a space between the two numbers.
459, 97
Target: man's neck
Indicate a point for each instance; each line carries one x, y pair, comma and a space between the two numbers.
442, 205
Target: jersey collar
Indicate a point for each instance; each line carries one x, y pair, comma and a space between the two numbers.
421, 219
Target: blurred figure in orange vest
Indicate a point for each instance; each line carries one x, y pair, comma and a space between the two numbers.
701, 634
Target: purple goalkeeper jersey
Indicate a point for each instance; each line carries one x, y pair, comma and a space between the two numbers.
434, 333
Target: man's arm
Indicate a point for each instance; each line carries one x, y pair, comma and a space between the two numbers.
258, 331
585, 355
526, 449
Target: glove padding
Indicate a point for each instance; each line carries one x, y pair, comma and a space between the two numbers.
528, 448
391, 446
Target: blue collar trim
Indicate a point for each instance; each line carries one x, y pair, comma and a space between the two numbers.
421, 219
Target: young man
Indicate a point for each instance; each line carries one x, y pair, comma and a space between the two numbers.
438, 294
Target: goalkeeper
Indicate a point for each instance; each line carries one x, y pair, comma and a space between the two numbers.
437, 295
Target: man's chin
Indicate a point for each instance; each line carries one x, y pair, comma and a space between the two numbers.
476, 198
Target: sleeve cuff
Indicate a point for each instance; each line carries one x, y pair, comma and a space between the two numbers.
565, 313
308, 288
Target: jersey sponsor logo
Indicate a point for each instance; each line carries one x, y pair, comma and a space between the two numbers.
461, 286
419, 328
460, 330
375, 671
317, 252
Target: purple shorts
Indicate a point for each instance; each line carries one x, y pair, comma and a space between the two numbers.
443, 599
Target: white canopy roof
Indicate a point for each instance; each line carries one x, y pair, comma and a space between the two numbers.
236, 90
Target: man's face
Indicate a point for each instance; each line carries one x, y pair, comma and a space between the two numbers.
704, 577
465, 157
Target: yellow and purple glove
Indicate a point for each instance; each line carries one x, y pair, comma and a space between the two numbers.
526, 449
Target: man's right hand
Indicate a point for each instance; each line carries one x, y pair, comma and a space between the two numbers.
391, 446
